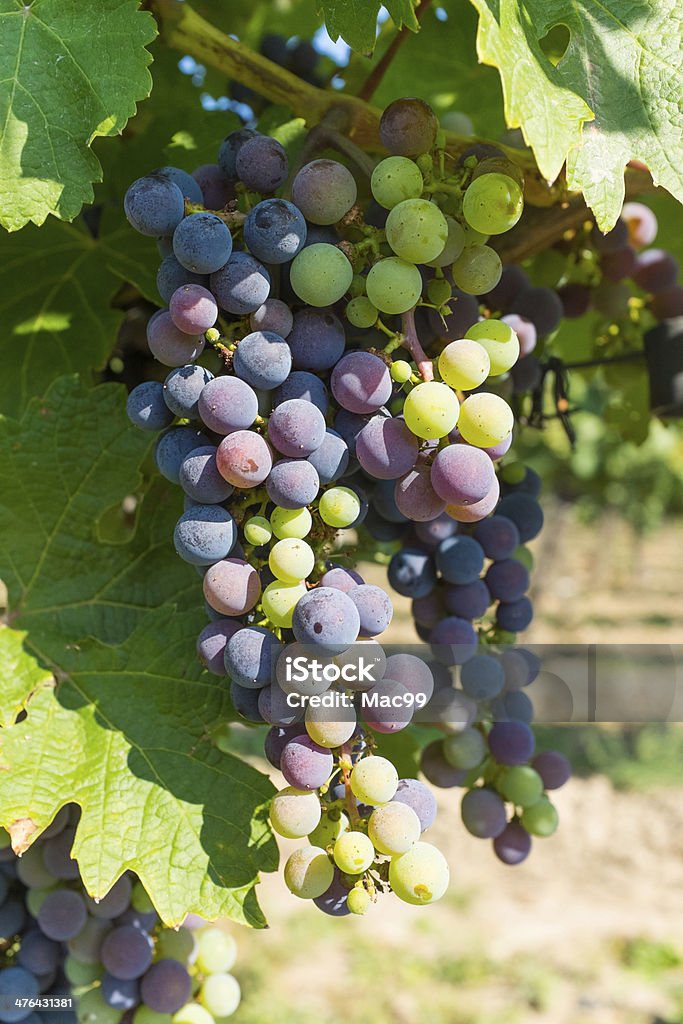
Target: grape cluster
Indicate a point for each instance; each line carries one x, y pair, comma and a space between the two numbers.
319, 410
101, 961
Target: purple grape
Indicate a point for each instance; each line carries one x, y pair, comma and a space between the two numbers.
340, 578
415, 496
656, 270
274, 315
275, 231
57, 855
553, 767
437, 769
62, 914
246, 703
262, 359
230, 147
512, 283
460, 559
467, 600
498, 536
277, 738
242, 285
296, 428
513, 845
200, 479
232, 587
154, 205
303, 385
482, 677
497, 451
374, 608
169, 345
575, 299
412, 573
182, 389
464, 314
275, 708
668, 304
172, 276
317, 339
386, 448
216, 189
211, 644
293, 483
483, 813
174, 447
507, 580
166, 987
327, 618
428, 610
204, 534
250, 656
412, 673
227, 404
514, 616
193, 309
202, 243
12, 918
185, 182
525, 331
616, 266
361, 382
395, 716
127, 952
525, 512
261, 164
331, 458
304, 764
120, 995
416, 795
37, 953
244, 459
334, 900
462, 475
540, 305
453, 641
511, 743
146, 407
611, 241
114, 903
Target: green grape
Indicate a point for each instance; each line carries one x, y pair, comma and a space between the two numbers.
35, 899
541, 819
139, 899
393, 285
374, 780
439, 291
329, 830
464, 749
523, 555
294, 813
320, 274
521, 785
431, 410
216, 950
493, 203
464, 364
353, 853
499, 340
360, 312
513, 472
394, 828
455, 243
477, 269
92, 1009
279, 601
257, 531
291, 522
417, 230
325, 732
485, 419
192, 1013
401, 371
339, 507
456, 121
80, 974
308, 872
473, 237
358, 900
291, 560
178, 945
357, 286
220, 995
419, 876
395, 179
5, 841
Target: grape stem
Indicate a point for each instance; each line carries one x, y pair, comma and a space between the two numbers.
349, 800
412, 343
372, 82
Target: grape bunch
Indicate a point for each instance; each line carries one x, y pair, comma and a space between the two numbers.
101, 961
329, 369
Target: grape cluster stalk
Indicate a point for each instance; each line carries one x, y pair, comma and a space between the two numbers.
332, 367
67, 958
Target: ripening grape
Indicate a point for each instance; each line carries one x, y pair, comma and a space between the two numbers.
477, 269
464, 364
521, 785
419, 876
493, 203
465, 749
500, 342
431, 410
358, 900
417, 230
485, 419
308, 872
216, 950
455, 243
393, 285
408, 127
294, 813
329, 830
401, 371
339, 507
395, 179
279, 601
257, 530
320, 274
326, 732
291, 560
324, 190
374, 780
360, 312
291, 522
394, 828
220, 994
353, 853
541, 819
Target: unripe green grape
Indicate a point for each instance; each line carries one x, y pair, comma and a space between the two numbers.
353, 853
220, 995
291, 522
393, 285
308, 872
513, 472
493, 203
419, 876
473, 237
464, 364
360, 312
35, 899
176, 945
80, 974
499, 340
279, 601
485, 419
477, 269
374, 780
339, 507
541, 819
192, 1013
455, 243
464, 749
291, 560
294, 813
439, 291
394, 828
257, 531
139, 899
320, 274
325, 732
395, 179
328, 831
92, 1009
417, 230
431, 410
396, 405
358, 900
521, 785
523, 554
401, 371
357, 286
143, 1015
216, 950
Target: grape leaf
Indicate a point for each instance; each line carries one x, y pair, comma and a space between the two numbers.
69, 72
615, 95
356, 20
125, 729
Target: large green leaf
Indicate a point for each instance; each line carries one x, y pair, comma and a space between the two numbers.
69, 71
125, 729
616, 94
356, 20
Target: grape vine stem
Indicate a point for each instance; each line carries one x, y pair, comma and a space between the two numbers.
374, 79
411, 341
